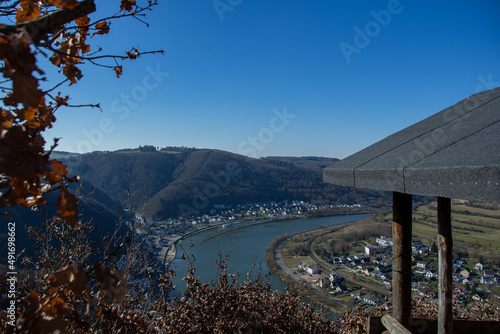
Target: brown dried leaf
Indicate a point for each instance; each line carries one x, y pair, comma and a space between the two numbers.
29, 10
118, 71
65, 275
64, 4
113, 283
6, 119
102, 28
58, 173
127, 5
67, 207
78, 284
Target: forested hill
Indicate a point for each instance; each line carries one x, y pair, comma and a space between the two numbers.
317, 163
173, 182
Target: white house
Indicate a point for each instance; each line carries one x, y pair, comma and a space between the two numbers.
429, 274
312, 270
371, 300
370, 250
488, 281
384, 241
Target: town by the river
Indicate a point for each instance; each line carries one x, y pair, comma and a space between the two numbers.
245, 246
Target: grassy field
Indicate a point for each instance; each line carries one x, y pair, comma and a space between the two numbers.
475, 227
294, 261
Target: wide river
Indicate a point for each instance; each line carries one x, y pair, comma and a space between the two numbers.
245, 247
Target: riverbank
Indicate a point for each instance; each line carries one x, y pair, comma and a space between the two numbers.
171, 253
283, 259
172, 250
293, 279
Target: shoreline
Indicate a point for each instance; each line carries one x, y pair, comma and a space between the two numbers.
278, 268
308, 291
171, 253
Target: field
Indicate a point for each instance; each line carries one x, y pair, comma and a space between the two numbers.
475, 228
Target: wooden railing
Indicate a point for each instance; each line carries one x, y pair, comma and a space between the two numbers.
379, 325
393, 325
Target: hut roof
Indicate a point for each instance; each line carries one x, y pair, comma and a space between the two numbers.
454, 153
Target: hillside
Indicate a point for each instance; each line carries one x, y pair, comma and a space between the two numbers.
95, 206
173, 182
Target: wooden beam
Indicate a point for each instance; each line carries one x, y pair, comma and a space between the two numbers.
445, 256
393, 325
429, 326
401, 254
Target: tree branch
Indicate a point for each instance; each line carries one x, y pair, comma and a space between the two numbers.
39, 28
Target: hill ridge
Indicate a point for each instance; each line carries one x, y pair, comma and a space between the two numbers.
168, 184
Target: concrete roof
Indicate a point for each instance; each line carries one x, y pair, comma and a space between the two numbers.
454, 153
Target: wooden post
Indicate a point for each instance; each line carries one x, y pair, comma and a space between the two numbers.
445, 242
401, 254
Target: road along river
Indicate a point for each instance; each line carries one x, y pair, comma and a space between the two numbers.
245, 246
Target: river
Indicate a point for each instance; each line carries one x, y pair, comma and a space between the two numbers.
245, 247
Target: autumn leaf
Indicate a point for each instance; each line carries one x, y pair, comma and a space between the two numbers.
62, 101
133, 54
78, 283
64, 4
29, 114
127, 5
58, 173
30, 10
67, 207
83, 23
73, 73
118, 71
24, 89
65, 275
55, 59
113, 283
102, 28
6, 119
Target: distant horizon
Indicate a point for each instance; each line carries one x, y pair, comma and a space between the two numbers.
195, 148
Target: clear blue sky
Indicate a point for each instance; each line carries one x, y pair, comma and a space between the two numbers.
283, 77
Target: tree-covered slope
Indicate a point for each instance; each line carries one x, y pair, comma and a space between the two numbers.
167, 184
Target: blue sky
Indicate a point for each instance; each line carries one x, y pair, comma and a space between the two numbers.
301, 78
